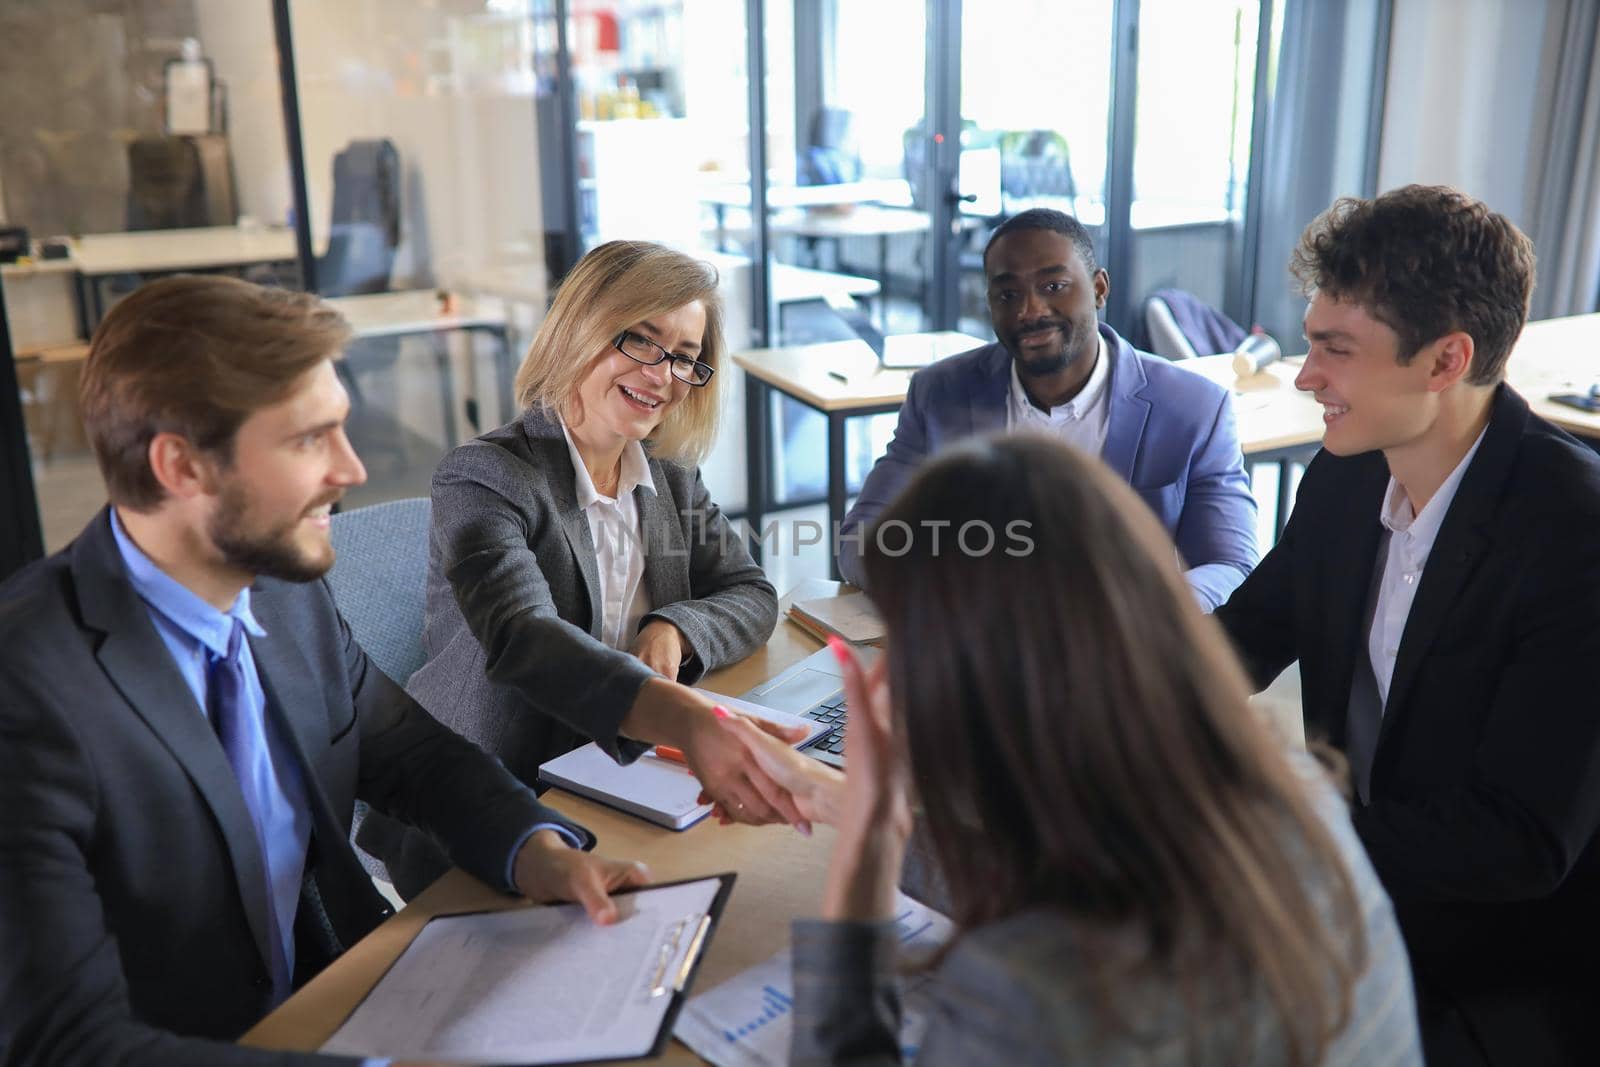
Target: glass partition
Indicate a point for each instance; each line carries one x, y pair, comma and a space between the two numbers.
141, 138
1191, 156
420, 129
1041, 106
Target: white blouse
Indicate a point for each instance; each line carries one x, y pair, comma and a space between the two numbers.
618, 543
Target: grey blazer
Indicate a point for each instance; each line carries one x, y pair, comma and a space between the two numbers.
1017, 992
513, 615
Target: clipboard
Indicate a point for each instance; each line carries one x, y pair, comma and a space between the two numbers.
452, 1001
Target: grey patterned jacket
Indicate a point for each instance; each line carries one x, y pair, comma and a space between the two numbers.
1015, 992
512, 623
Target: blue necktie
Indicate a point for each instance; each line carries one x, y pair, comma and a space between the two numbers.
244, 742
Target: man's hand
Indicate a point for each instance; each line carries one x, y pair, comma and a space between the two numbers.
660, 646
549, 869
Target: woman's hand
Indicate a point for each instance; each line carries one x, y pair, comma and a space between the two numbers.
660, 646
876, 817
817, 789
667, 713
731, 779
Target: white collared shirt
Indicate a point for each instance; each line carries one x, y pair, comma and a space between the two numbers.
1409, 540
618, 543
1082, 422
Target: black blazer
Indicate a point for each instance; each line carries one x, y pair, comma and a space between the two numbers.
132, 899
1485, 792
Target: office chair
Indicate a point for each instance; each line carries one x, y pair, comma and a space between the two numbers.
379, 584
364, 225
379, 580
830, 155
1179, 325
363, 235
180, 181
1035, 164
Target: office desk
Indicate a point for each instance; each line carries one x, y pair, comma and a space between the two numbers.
525, 284
1277, 422
418, 311
865, 220
1559, 356
101, 255
723, 194
840, 379
780, 878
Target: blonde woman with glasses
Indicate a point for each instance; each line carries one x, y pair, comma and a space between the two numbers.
580, 576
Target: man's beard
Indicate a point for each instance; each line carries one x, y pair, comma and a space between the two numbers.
1041, 364
272, 553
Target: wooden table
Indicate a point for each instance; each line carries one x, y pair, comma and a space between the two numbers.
1559, 356
839, 379
780, 878
1277, 423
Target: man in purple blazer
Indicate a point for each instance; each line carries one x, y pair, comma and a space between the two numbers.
1057, 370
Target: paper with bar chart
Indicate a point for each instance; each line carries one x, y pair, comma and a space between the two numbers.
746, 1021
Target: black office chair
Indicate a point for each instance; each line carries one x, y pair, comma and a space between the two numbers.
363, 234
364, 227
180, 181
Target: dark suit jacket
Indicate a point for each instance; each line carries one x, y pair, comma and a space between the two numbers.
1170, 434
1485, 793
133, 902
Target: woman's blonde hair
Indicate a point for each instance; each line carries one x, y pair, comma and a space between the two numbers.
617, 286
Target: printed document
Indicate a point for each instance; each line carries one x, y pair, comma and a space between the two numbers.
534, 985
746, 1021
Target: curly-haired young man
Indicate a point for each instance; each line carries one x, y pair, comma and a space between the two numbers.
1439, 584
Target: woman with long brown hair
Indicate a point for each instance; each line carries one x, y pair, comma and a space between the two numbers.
1138, 871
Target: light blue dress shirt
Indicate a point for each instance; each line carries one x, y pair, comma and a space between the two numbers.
195, 633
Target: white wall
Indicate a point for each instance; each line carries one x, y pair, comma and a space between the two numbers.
1469, 94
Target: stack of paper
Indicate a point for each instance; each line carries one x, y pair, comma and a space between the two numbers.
746, 1021
851, 617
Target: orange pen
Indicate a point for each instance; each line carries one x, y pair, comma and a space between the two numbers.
667, 752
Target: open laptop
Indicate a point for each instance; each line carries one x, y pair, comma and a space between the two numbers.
814, 688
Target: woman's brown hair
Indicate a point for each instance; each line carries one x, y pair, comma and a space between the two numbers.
1081, 742
615, 287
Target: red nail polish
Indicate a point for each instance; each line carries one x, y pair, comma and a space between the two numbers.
721, 712
837, 646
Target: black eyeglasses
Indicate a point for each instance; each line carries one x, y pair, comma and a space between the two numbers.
643, 350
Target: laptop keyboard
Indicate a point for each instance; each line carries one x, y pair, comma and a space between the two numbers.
833, 713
